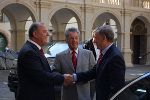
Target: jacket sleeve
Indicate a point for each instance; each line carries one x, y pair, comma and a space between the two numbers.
56, 65
31, 67
86, 76
117, 73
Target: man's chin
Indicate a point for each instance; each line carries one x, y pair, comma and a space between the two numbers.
45, 43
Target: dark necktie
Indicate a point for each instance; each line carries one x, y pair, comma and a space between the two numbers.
42, 52
100, 57
74, 59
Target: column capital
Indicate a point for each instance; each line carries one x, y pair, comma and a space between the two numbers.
126, 33
125, 13
17, 31
42, 3
126, 50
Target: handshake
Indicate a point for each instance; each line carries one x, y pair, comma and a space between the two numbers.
68, 79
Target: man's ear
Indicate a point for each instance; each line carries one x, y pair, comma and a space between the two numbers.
35, 34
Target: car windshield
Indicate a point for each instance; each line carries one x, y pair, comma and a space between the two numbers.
57, 48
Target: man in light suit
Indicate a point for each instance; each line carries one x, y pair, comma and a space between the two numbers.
84, 61
110, 69
36, 79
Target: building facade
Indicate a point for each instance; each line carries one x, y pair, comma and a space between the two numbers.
129, 18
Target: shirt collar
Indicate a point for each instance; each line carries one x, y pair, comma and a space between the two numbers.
105, 50
35, 43
72, 51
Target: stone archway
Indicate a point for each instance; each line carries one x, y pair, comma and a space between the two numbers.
110, 19
18, 15
138, 41
60, 20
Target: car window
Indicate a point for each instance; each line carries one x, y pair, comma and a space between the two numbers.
57, 48
140, 90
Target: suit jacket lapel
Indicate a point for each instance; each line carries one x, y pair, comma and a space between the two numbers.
79, 58
44, 60
105, 58
68, 60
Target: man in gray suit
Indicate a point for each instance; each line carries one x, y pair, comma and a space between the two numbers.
73, 60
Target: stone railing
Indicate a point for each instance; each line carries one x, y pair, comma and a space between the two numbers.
132, 3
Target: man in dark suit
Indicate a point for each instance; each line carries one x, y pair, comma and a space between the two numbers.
90, 46
36, 80
110, 69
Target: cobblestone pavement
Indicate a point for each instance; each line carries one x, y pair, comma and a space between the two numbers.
138, 70
5, 94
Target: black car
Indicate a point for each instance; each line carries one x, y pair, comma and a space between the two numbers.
138, 89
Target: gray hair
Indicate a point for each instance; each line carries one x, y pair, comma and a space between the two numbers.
34, 27
106, 32
72, 29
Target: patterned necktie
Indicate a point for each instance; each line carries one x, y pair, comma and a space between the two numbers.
74, 59
41, 51
100, 57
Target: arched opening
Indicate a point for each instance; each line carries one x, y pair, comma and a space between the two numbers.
3, 42
110, 19
72, 23
5, 28
138, 41
18, 15
61, 20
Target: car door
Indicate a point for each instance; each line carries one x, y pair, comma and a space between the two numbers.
138, 89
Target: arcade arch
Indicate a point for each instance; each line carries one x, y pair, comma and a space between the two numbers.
139, 40
109, 19
60, 20
18, 15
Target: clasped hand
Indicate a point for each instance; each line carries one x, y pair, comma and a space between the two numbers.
68, 79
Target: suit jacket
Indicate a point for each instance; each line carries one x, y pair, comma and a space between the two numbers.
36, 80
89, 46
109, 74
63, 63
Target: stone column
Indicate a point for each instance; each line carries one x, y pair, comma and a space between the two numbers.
89, 16
125, 48
18, 39
125, 37
87, 22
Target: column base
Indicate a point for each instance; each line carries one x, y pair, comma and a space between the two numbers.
127, 57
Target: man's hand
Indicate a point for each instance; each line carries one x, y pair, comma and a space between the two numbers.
68, 79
